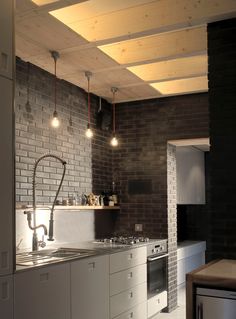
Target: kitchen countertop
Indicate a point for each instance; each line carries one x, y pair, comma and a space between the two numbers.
216, 274
188, 248
99, 248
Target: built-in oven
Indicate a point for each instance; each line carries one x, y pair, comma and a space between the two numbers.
157, 256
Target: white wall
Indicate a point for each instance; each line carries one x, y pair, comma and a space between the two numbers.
69, 226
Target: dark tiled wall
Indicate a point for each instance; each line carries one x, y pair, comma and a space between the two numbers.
88, 163
144, 128
222, 100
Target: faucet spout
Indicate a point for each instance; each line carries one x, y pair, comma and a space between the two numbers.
35, 242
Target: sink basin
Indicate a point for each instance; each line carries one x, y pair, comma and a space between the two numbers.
51, 255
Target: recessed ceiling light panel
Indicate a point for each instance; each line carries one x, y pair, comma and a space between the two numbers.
43, 2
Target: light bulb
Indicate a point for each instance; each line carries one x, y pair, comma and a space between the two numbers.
114, 141
55, 121
89, 133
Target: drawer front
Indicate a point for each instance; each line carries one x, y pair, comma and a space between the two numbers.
126, 259
127, 279
138, 312
127, 300
157, 303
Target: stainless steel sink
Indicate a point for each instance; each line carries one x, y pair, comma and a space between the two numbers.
45, 256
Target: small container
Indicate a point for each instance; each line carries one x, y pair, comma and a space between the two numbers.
65, 202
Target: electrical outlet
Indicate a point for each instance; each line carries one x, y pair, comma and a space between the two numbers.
138, 227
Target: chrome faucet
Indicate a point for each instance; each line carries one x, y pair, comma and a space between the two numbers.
35, 242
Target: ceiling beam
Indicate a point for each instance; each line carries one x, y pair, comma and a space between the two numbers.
149, 18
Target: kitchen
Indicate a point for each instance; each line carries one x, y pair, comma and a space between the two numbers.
139, 157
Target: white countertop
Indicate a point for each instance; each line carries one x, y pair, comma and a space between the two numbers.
189, 248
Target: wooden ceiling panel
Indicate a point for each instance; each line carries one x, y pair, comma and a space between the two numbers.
93, 8
91, 59
183, 86
162, 15
172, 69
47, 32
99, 81
139, 92
157, 47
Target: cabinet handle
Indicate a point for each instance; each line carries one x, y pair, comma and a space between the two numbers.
130, 256
130, 275
158, 300
4, 260
91, 266
5, 291
131, 315
131, 295
200, 311
4, 61
44, 277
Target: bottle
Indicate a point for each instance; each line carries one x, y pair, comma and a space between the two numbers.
114, 194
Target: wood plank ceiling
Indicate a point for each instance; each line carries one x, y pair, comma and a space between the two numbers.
145, 48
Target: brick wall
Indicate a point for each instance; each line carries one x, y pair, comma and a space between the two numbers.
88, 163
222, 101
143, 129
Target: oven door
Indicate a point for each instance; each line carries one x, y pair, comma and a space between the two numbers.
156, 274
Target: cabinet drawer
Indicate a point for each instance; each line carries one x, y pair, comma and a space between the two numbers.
128, 278
127, 299
126, 259
157, 303
138, 312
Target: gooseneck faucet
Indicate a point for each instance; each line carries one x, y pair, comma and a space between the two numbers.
35, 242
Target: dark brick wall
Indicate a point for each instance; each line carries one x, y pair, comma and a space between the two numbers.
143, 129
222, 100
88, 163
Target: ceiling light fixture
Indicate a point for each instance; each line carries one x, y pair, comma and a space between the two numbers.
114, 140
55, 121
89, 132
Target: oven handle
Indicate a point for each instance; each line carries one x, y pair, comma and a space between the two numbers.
157, 257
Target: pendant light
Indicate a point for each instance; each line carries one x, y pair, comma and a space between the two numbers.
114, 140
55, 121
89, 132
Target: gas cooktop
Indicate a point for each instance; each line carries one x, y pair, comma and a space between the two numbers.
123, 240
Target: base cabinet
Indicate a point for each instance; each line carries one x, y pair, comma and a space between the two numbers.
43, 293
157, 303
6, 297
90, 288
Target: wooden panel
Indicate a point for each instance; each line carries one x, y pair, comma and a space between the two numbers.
159, 46
198, 84
149, 17
138, 92
177, 68
92, 9
47, 32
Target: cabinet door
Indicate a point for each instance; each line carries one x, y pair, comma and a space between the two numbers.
43, 293
90, 288
6, 297
6, 36
190, 168
7, 176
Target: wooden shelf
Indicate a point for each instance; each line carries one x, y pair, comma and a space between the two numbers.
67, 207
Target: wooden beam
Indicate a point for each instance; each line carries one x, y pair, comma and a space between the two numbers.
197, 84
155, 17
158, 47
177, 68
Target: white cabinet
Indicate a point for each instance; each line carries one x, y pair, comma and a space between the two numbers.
7, 176
43, 293
6, 36
190, 168
128, 284
190, 255
90, 288
157, 303
6, 297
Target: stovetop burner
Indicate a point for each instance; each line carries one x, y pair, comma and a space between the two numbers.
131, 240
